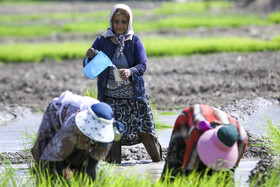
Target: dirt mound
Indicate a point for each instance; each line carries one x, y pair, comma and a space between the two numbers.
171, 82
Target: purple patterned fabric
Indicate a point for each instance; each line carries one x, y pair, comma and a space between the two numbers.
64, 138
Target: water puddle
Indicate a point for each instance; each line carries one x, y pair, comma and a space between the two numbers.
243, 171
154, 170
257, 122
149, 168
12, 139
19, 170
13, 136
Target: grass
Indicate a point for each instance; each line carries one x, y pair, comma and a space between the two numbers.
186, 46
209, 21
168, 113
7, 173
270, 177
97, 25
168, 15
172, 22
86, 27
28, 30
109, 175
91, 93
198, 7
273, 132
37, 52
155, 46
72, 16
92, 23
274, 17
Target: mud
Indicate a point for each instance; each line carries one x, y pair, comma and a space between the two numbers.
139, 154
171, 82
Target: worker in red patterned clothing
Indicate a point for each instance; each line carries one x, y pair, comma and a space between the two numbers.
204, 137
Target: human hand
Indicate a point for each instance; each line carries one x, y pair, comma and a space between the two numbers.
125, 73
67, 172
118, 130
90, 53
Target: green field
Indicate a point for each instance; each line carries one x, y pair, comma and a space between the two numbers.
169, 15
155, 46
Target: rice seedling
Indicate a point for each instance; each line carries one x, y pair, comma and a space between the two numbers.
274, 17
195, 6
186, 46
108, 175
272, 131
271, 176
38, 52
170, 22
91, 92
155, 46
176, 15
168, 113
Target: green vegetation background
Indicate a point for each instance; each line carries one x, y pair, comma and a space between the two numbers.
170, 15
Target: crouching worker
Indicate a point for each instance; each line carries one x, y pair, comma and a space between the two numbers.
75, 133
204, 137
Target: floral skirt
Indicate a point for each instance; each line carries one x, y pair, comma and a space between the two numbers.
135, 115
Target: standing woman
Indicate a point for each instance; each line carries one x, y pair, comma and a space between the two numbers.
127, 97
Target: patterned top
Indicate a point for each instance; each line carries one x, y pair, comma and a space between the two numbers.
119, 89
68, 138
58, 125
182, 154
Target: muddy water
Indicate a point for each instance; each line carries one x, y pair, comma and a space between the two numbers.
154, 170
12, 139
13, 135
257, 122
21, 171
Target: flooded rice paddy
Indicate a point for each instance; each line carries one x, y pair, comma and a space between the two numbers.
13, 138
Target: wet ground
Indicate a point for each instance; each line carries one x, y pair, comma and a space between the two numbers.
13, 137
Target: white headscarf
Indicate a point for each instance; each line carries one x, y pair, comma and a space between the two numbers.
123, 37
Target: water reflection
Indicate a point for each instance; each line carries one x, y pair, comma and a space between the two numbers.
147, 168
154, 170
256, 123
21, 171
13, 136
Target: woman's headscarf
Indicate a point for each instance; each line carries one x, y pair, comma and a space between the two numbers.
123, 37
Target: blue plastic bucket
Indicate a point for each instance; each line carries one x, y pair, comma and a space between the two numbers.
98, 64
